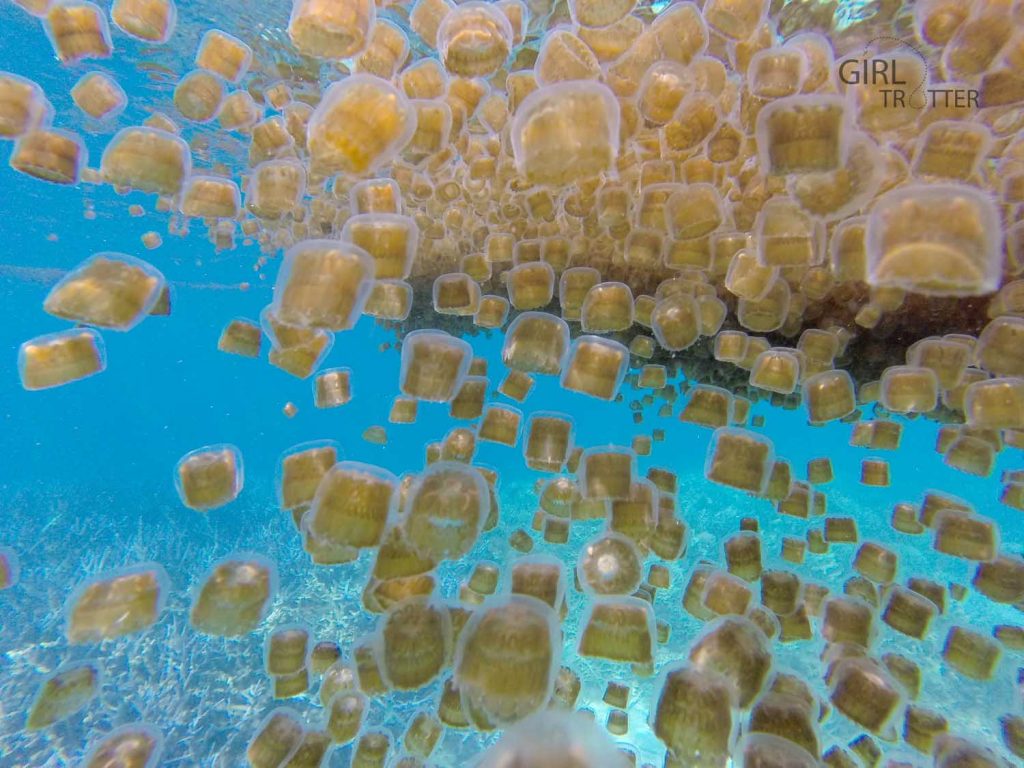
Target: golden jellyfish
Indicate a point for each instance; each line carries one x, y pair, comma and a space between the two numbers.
78, 30
323, 284
414, 643
139, 745
506, 660
59, 358
108, 290
445, 510
151, 21
147, 159
331, 30
116, 604
65, 692
474, 39
565, 132
361, 123
233, 598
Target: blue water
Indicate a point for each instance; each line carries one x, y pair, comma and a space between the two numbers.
86, 483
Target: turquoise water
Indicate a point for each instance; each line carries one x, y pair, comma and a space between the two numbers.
86, 484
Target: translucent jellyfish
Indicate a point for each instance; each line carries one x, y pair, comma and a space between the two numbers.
788, 236
352, 506
198, 96
209, 477
540, 576
692, 715
1000, 348
276, 739
607, 307
323, 284
474, 39
735, 648
78, 30
275, 189
389, 300
148, 160
456, 293
151, 21
492, 312
422, 734
776, 72
390, 238
595, 367
68, 690
506, 660
414, 643
386, 51
287, 650
935, 239
301, 469
138, 745
109, 290
99, 96
116, 604
59, 358
210, 196
49, 155
336, 30
501, 424
864, 691
909, 389
776, 370
609, 564
224, 55
445, 510
562, 133
536, 342
829, 396
234, 596
23, 106
434, 365
766, 750
239, 112
549, 441
361, 123
607, 472
619, 629
554, 740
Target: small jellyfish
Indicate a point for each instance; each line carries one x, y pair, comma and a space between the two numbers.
275, 189
301, 470
276, 739
414, 643
287, 650
99, 96
23, 106
389, 300
198, 96
116, 604
49, 155
331, 30
138, 745
151, 21
741, 459
209, 477
935, 239
506, 660
59, 358
391, 239
554, 739
565, 132
241, 337
78, 30
619, 629
233, 598
352, 506
108, 290
65, 692
595, 367
474, 39
148, 160
434, 365
549, 441
692, 715
445, 510
323, 284
361, 123
735, 648
223, 55
609, 564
